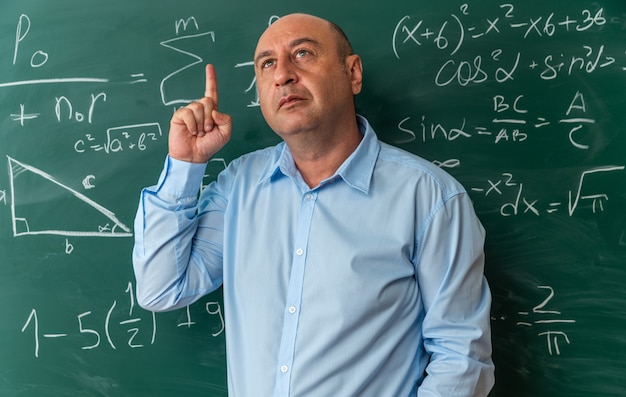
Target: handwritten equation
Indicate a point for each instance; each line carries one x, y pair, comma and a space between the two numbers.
98, 330
413, 33
551, 319
68, 108
550, 325
576, 197
511, 122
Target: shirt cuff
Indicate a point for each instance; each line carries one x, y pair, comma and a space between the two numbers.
180, 180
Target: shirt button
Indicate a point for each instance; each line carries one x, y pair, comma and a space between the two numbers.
299, 251
284, 369
309, 197
292, 309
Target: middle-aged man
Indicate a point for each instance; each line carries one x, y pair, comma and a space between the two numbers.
349, 267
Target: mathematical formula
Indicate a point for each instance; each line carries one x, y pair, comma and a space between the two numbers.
549, 324
522, 204
141, 328
511, 122
412, 33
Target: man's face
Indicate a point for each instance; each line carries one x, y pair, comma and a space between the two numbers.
301, 80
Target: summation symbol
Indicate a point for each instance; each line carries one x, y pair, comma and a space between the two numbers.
173, 44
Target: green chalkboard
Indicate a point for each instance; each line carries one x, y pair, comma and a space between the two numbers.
524, 102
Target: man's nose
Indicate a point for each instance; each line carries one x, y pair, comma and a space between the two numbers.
285, 72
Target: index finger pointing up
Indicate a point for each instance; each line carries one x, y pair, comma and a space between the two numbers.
211, 84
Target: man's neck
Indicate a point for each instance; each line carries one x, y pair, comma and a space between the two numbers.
319, 159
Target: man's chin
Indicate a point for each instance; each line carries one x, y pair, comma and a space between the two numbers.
290, 125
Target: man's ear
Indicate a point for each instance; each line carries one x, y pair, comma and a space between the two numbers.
355, 70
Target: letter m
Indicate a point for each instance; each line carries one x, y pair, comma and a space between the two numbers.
185, 23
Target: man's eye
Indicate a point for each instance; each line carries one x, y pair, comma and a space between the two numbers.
266, 64
301, 53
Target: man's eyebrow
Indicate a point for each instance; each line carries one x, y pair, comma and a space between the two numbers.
261, 55
302, 40
293, 43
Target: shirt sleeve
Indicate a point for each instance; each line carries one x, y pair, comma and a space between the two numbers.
457, 302
175, 261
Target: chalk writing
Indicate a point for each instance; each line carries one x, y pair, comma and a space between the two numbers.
88, 182
510, 123
92, 332
135, 137
547, 319
112, 227
22, 116
62, 100
522, 204
412, 33
176, 44
38, 59
252, 86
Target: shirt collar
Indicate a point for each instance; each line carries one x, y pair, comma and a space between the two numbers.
356, 170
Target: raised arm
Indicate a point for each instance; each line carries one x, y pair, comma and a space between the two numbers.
175, 261
199, 130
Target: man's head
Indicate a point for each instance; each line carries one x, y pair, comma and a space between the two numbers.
307, 75
343, 44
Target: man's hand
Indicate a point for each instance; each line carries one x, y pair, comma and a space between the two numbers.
199, 130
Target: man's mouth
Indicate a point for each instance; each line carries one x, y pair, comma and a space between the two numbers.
289, 100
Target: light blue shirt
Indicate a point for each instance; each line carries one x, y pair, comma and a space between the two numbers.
370, 284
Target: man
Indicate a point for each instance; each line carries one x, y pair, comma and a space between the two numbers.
349, 267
